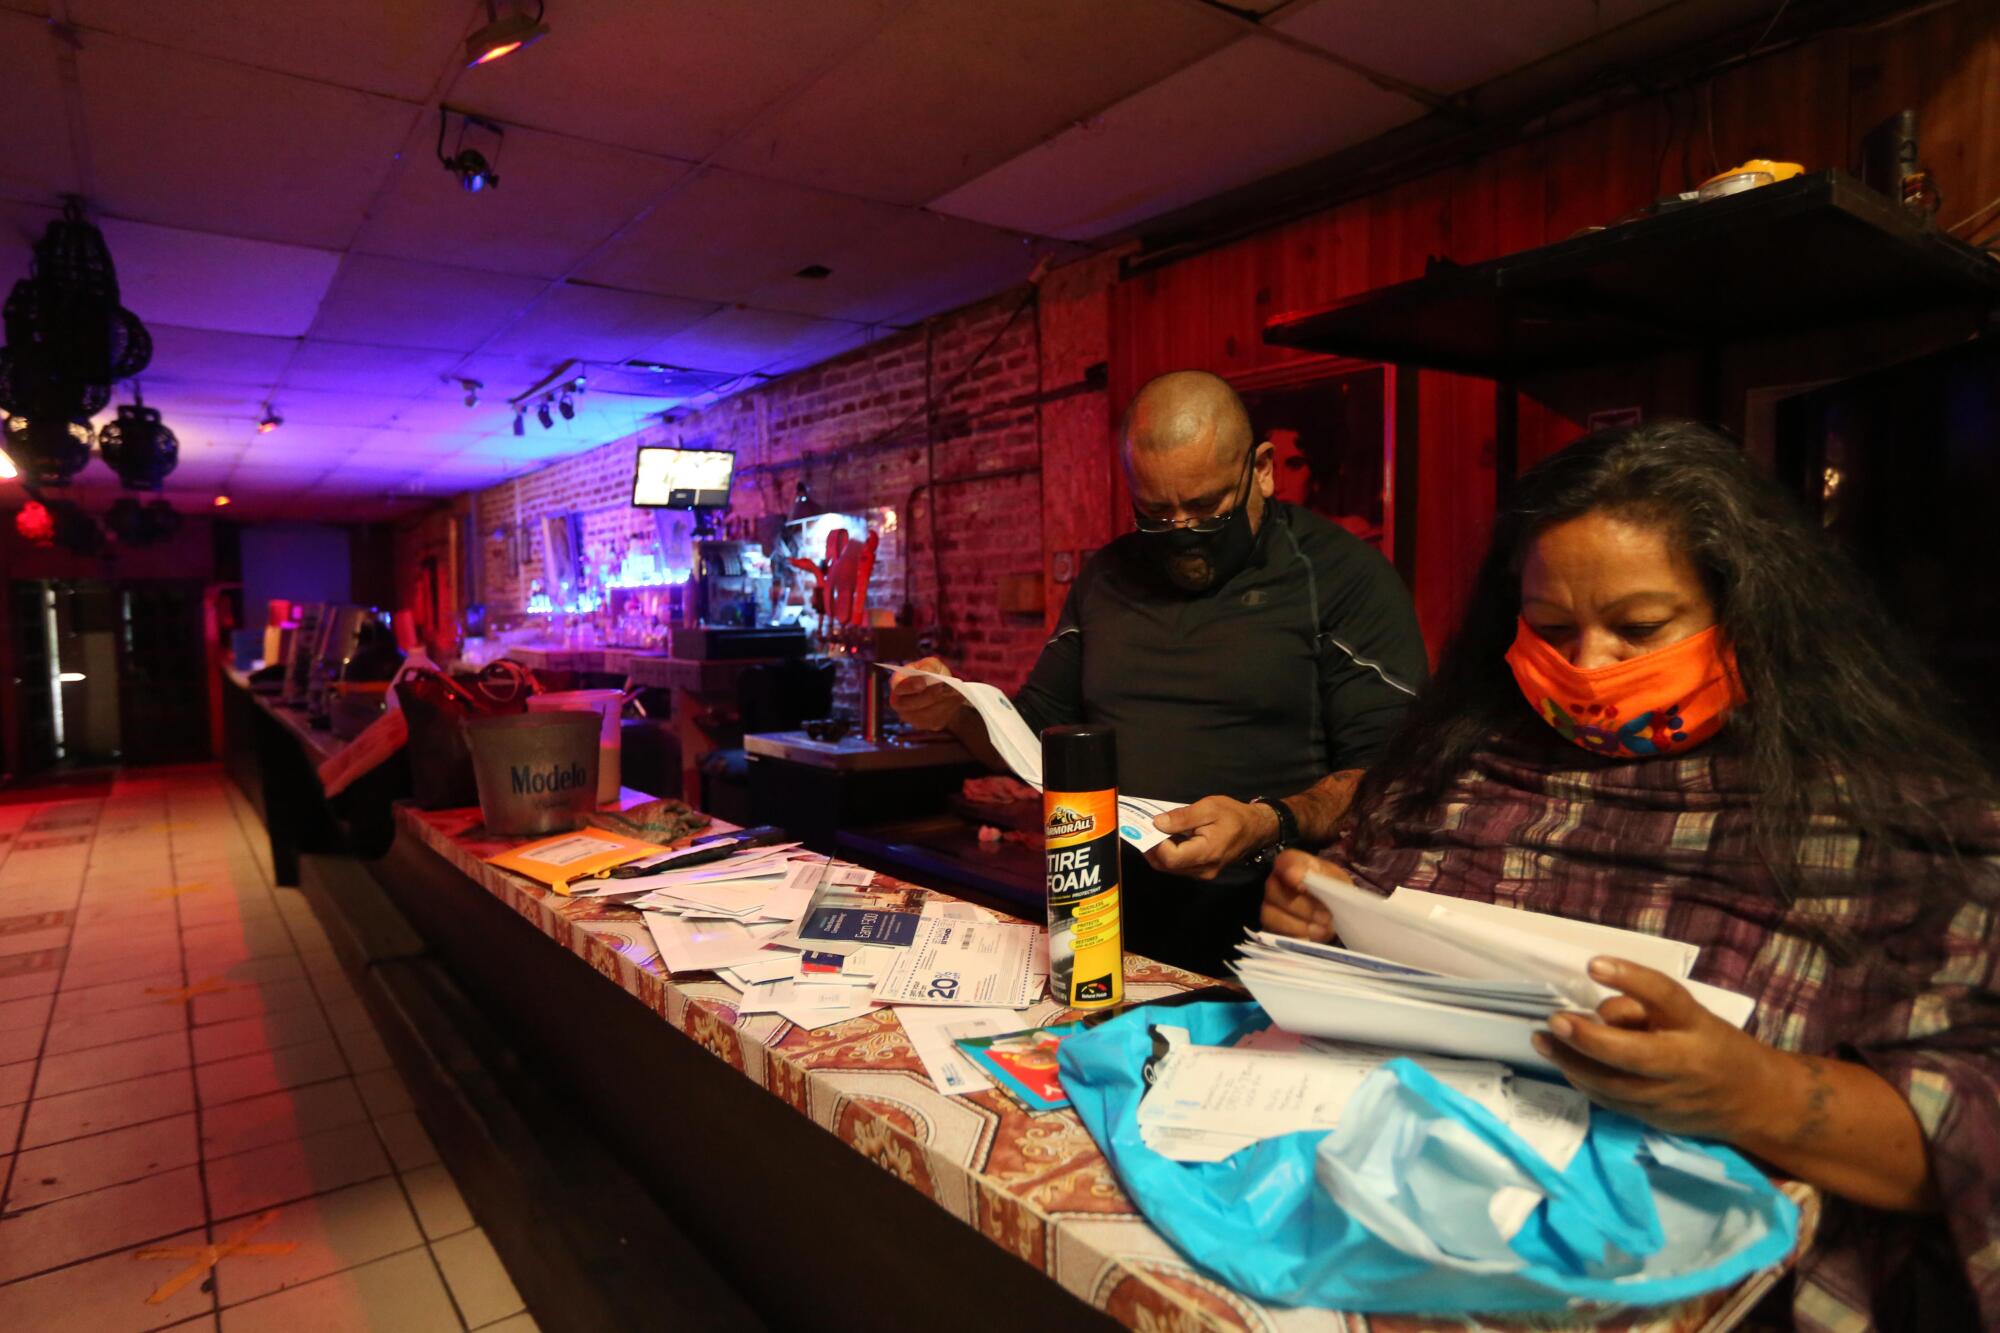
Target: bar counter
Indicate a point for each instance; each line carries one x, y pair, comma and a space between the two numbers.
1034, 1185
817, 1170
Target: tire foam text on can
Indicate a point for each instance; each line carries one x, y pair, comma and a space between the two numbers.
1080, 827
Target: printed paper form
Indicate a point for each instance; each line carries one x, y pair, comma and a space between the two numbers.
1021, 749
932, 1033
970, 963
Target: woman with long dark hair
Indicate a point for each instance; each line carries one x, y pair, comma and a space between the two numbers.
1673, 707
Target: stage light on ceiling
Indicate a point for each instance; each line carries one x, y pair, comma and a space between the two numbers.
472, 388
269, 422
520, 422
8, 472
474, 172
567, 406
471, 168
542, 415
221, 502
502, 36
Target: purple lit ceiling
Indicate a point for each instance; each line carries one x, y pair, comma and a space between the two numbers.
266, 176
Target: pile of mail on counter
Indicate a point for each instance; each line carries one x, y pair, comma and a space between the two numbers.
812, 940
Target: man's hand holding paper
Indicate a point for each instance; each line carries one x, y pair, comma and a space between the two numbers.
925, 703
1211, 834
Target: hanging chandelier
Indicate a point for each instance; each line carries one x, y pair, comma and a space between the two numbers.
68, 340
48, 451
138, 446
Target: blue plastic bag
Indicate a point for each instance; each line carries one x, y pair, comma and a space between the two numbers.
1639, 1217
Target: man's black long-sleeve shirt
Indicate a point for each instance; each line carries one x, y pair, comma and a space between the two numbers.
1299, 666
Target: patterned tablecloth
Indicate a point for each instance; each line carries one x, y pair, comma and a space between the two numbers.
1033, 1183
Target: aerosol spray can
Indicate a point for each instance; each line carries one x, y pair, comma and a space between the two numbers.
1080, 824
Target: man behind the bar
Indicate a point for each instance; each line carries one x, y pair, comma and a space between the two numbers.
1253, 657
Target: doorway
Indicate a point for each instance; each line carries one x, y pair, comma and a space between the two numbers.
109, 672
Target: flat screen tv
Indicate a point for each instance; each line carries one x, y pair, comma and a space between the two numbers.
682, 478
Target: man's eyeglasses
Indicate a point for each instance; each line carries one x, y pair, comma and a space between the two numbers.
1214, 523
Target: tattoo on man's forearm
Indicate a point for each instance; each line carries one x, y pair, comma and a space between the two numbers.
1819, 1101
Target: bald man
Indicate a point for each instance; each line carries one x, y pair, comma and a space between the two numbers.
1253, 657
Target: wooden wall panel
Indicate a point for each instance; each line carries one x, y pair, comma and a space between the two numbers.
1808, 103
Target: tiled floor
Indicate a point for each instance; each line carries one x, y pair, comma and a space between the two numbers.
199, 1126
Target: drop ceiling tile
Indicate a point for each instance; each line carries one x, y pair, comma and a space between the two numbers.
539, 444
740, 339
449, 416
1450, 45
398, 303
582, 322
211, 450
918, 264
365, 369
201, 404
508, 376
201, 280
204, 356
948, 91
562, 438
557, 199
675, 79
307, 411
477, 464
37, 162
389, 47
350, 477
297, 480
184, 140
1251, 110
612, 416
434, 442
812, 351
201, 471
725, 233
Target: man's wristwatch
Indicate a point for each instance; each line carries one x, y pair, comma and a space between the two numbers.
1288, 825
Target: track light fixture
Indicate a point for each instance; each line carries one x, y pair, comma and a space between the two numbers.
542, 415
472, 388
504, 35
520, 421
269, 422
468, 166
567, 406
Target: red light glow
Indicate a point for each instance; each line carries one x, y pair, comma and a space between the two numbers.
35, 524
221, 500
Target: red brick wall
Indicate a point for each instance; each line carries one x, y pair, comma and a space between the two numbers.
965, 477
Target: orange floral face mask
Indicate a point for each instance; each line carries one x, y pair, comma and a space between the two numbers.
1660, 703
